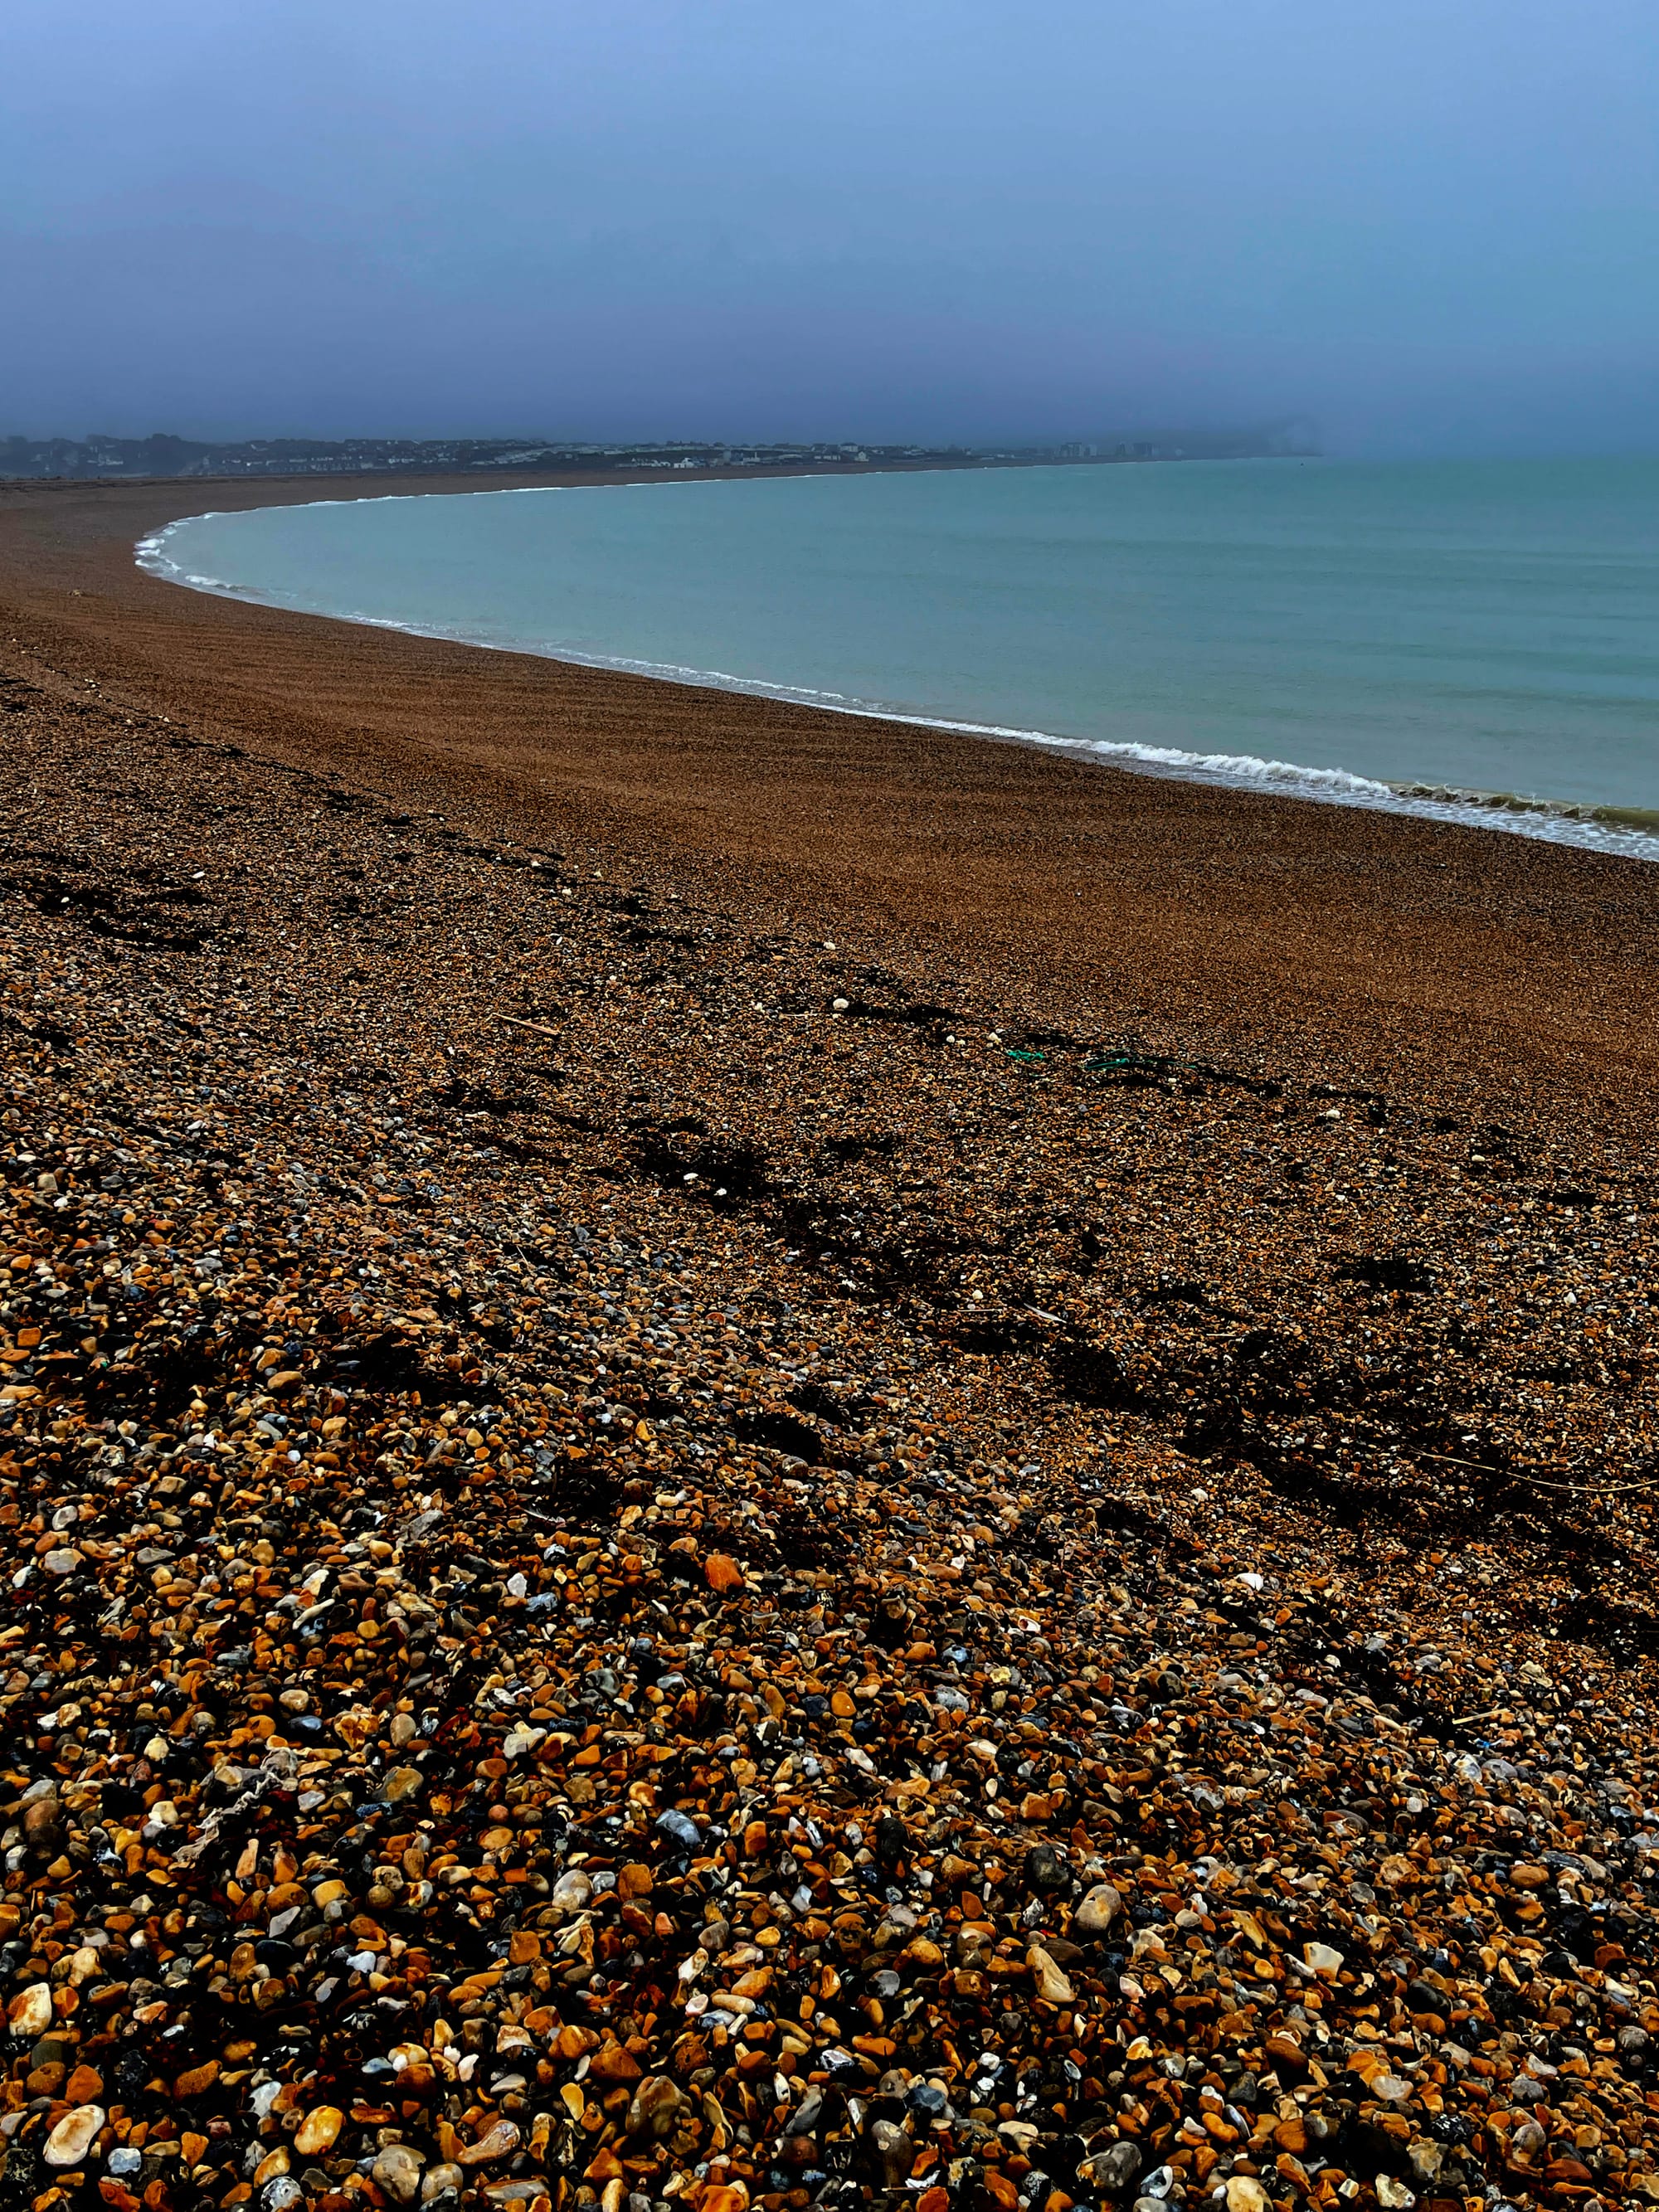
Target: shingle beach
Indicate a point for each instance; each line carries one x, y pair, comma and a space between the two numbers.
667, 1549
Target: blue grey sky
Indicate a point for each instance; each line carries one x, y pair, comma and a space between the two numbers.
1429, 224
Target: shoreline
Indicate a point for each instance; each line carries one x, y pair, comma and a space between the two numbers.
1625, 832
1182, 911
721, 1503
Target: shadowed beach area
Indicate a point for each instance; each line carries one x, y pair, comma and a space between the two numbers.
756, 1459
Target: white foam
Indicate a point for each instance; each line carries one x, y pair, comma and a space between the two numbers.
1238, 771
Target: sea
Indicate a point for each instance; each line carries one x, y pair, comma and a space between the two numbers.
1470, 641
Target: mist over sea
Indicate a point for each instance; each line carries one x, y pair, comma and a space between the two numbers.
1382, 634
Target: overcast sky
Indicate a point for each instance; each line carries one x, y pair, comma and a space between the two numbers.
1430, 224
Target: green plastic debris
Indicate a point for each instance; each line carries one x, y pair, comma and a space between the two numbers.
1027, 1059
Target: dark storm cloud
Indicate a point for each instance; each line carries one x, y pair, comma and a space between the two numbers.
1430, 227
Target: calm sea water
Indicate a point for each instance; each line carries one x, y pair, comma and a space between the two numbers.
1377, 633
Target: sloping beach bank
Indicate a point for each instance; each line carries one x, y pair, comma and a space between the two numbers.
1167, 906
754, 1460
1414, 640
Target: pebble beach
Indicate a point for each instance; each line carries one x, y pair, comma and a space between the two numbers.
680, 1536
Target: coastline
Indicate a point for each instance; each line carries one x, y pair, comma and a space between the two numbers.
1624, 831
733, 1434
1175, 908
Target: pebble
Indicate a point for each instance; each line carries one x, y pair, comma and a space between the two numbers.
72, 2137
397, 2170
319, 2127
29, 2013
1051, 1985
1101, 1905
1246, 2194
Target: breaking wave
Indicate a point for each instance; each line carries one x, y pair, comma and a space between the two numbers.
1602, 830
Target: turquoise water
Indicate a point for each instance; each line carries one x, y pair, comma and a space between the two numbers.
1391, 634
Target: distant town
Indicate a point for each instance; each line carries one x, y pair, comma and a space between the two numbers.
93, 458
